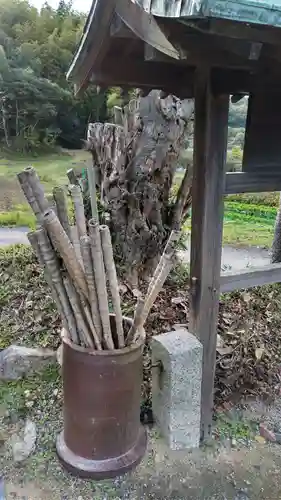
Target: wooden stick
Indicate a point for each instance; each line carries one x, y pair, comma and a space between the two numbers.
100, 281
92, 190
137, 322
85, 244
77, 199
113, 282
168, 252
168, 263
62, 212
66, 250
51, 263
158, 284
78, 312
37, 188
27, 190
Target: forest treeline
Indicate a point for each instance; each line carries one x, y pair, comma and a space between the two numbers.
38, 107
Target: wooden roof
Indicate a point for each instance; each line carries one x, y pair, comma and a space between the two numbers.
124, 44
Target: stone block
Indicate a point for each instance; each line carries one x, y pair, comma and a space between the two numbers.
176, 387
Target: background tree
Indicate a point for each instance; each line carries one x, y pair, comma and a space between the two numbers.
37, 104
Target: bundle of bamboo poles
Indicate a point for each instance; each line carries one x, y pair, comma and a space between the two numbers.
79, 266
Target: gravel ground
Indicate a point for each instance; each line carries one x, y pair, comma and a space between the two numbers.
248, 473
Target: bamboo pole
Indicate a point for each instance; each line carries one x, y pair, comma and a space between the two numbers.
37, 188
137, 321
85, 244
92, 328
33, 240
62, 212
78, 312
158, 284
51, 203
66, 250
77, 198
168, 252
52, 264
113, 282
92, 190
76, 244
28, 192
158, 280
72, 177
100, 281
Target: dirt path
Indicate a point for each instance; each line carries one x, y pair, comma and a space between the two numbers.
13, 235
238, 258
232, 258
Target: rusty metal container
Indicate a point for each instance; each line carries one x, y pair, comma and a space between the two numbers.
102, 435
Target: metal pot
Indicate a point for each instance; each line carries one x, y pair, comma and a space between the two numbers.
102, 435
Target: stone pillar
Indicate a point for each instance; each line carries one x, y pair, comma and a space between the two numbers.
176, 387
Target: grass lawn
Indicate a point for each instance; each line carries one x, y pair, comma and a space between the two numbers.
249, 219
52, 170
247, 224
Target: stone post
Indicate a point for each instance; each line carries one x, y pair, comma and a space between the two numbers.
176, 387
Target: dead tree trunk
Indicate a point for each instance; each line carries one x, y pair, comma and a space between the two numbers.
135, 165
276, 245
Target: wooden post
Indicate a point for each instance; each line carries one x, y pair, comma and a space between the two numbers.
210, 143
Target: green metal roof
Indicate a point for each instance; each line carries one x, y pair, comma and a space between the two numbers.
250, 11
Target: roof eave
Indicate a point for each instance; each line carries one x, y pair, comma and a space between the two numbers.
94, 35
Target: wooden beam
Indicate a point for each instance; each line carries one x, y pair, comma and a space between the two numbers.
238, 30
210, 143
118, 29
152, 54
253, 182
141, 74
177, 79
254, 277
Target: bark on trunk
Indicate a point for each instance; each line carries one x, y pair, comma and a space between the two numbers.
135, 165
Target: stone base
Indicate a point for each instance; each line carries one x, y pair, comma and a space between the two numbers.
101, 469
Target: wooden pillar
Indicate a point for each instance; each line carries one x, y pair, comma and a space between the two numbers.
210, 144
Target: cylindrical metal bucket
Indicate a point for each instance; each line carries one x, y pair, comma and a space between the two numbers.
102, 435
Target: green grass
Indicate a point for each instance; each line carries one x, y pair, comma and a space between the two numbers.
247, 234
268, 199
51, 168
18, 217
249, 218
247, 224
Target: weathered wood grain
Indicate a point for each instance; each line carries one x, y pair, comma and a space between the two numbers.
256, 276
210, 140
252, 182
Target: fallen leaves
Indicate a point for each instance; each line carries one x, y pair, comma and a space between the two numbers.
28, 315
249, 341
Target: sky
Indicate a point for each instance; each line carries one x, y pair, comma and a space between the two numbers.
80, 5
